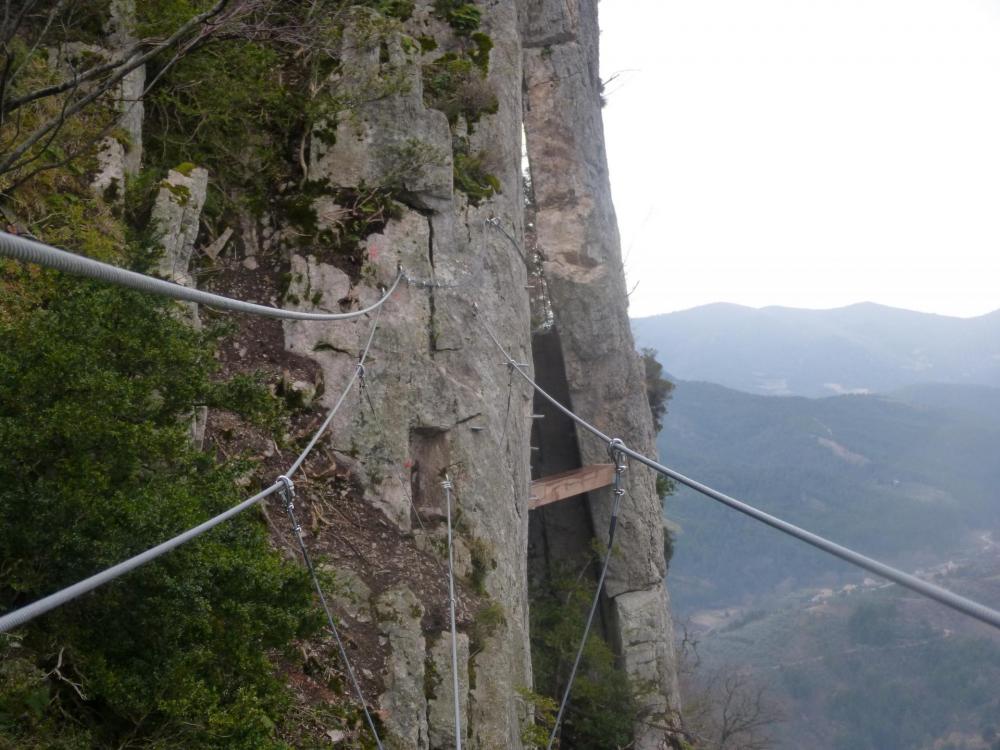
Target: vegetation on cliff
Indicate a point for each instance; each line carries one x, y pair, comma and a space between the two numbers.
97, 386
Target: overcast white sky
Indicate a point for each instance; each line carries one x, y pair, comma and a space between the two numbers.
809, 153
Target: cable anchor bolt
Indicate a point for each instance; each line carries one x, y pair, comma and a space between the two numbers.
616, 450
287, 493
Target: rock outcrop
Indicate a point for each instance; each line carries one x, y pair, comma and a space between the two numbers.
577, 236
433, 374
389, 181
436, 376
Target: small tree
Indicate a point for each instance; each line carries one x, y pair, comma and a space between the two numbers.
724, 709
42, 99
658, 388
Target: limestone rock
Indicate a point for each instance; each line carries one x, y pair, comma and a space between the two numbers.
441, 700
132, 87
403, 703
110, 178
116, 158
388, 138
177, 214
432, 369
646, 644
351, 595
434, 541
199, 423
578, 235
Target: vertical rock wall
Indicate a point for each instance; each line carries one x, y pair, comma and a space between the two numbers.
438, 400
578, 237
434, 376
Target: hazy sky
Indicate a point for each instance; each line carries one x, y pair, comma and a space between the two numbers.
810, 153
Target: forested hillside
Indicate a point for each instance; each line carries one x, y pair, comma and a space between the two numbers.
892, 479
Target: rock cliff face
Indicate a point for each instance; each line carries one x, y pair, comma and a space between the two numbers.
591, 355
433, 376
445, 98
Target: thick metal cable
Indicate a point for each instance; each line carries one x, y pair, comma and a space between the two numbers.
358, 370
931, 591
288, 495
494, 222
29, 612
516, 366
25, 614
30, 251
616, 455
446, 484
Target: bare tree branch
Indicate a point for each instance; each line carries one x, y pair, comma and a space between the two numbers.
124, 64
13, 160
8, 83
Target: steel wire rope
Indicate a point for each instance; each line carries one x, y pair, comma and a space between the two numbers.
25, 614
494, 222
616, 455
359, 370
447, 486
287, 490
936, 593
30, 251
30, 611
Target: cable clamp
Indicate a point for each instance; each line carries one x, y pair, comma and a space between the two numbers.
287, 492
446, 484
616, 449
361, 371
288, 495
493, 221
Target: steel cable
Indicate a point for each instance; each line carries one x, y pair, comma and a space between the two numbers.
931, 591
30, 251
29, 612
616, 455
446, 484
288, 494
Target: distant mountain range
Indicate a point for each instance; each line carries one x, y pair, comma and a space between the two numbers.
905, 477
856, 349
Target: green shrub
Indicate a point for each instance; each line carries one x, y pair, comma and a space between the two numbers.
472, 177
96, 386
461, 16
455, 84
658, 389
601, 708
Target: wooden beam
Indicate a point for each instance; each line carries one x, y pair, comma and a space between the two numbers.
570, 483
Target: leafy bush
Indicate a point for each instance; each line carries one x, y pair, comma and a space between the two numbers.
658, 388
461, 16
472, 176
456, 84
601, 708
96, 388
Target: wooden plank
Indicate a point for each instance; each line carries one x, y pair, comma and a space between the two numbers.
570, 483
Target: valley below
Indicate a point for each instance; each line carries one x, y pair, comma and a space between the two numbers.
818, 653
